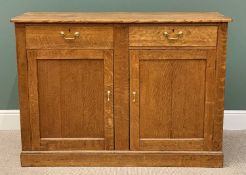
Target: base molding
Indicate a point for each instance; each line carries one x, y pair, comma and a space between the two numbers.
123, 158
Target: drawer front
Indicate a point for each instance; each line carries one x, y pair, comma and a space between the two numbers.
163, 35
69, 37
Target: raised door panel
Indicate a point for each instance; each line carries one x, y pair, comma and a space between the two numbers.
71, 99
172, 99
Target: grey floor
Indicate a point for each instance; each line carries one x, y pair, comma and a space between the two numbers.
234, 150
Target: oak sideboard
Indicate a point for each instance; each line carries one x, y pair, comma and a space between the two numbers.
121, 89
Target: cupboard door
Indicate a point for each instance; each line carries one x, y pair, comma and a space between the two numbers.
172, 99
71, 100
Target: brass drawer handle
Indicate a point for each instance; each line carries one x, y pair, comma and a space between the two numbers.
75, 35
179, 35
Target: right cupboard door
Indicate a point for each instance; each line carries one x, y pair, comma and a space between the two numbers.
172, 94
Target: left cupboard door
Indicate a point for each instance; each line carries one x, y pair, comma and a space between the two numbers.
71, 100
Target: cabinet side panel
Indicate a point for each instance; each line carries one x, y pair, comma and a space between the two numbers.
121, 87
220, 86
23, 86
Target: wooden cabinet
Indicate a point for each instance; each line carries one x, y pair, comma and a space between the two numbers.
121, 89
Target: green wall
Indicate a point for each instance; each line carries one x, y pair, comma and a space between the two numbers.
235, 97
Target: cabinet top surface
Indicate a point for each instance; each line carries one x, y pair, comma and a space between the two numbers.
120, 17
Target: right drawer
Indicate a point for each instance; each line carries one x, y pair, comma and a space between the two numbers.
172, 35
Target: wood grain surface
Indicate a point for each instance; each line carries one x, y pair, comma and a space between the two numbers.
153, 35
175, 93
119, 17
68, 98
23, 88
122, 93
33, 99
49, 37
134, 100
220, 87
124, 158
121, 87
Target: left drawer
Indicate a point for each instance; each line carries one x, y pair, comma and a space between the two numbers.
69, 37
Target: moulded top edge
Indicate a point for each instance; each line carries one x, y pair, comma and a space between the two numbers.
120, 17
